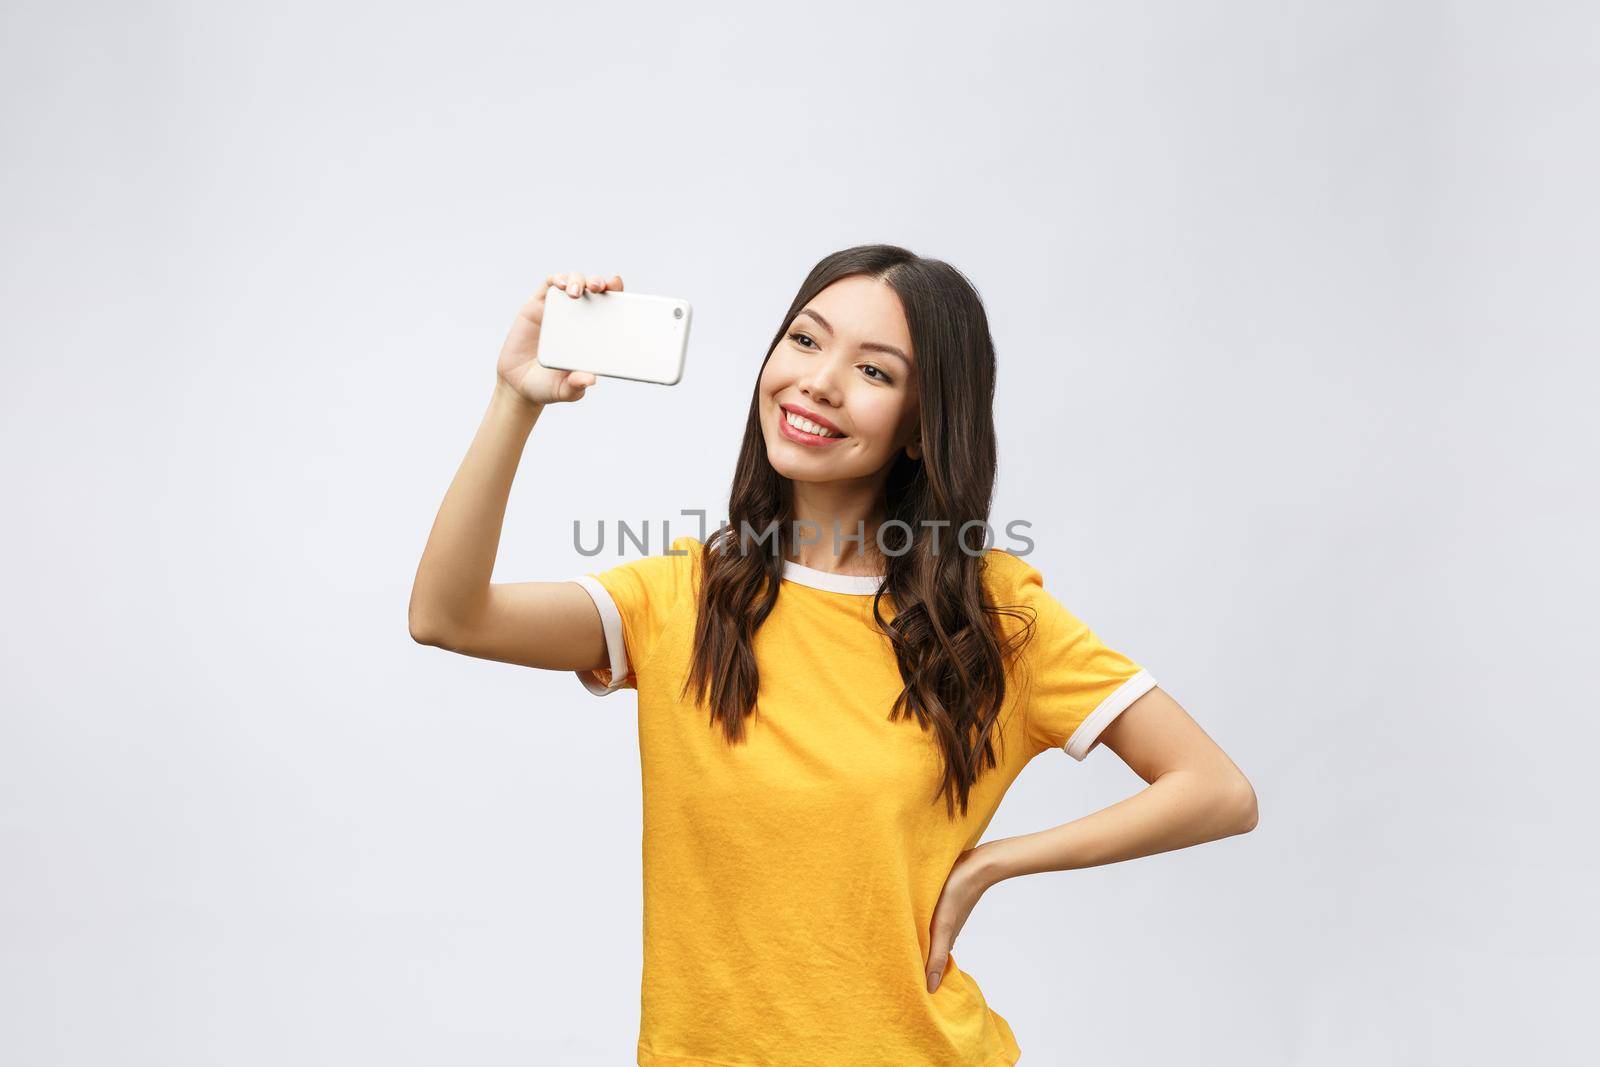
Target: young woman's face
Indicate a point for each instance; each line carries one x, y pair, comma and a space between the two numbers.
844, 362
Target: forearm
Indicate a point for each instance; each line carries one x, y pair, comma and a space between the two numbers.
1178, 809
458, 563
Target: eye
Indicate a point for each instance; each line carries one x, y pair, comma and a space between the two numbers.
810, 345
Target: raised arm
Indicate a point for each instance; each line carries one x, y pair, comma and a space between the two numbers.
454, 604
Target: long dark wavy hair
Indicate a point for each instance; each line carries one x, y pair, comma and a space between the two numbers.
952, 659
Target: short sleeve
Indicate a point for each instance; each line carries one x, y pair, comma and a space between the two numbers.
635, 599
1074, 685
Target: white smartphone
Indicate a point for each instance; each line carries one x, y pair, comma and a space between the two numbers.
616, 334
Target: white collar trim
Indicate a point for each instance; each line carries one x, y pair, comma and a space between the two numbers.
857, 584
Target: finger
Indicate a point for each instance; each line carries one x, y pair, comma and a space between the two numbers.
937, 956
552, 282
597, 283
574, 283
615, 282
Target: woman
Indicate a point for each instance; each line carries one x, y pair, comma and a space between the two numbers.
826, 726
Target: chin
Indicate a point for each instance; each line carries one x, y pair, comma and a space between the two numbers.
819, 472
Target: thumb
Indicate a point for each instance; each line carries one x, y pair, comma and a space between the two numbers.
577, 384
938, 956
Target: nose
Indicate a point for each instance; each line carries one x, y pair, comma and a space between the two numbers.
821, 382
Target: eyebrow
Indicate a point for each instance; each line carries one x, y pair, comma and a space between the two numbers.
870, 346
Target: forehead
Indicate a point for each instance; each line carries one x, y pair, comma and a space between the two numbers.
864, 309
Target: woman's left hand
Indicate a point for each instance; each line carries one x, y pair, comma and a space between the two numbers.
967, 882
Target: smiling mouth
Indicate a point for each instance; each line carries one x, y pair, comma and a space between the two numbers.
802, 430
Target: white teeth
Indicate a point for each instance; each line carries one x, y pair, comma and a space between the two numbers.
808, 426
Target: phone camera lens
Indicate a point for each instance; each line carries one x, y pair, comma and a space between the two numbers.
677, 313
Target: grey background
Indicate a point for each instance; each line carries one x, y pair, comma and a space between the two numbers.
1295, 313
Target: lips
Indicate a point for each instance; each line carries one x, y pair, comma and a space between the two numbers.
801, 437
813, 416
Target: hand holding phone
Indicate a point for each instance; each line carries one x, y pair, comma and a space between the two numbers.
519, 369
606, 331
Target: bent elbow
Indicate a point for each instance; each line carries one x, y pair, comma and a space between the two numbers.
1243, 806
426, 631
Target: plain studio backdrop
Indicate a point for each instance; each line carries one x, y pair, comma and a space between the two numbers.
1294, 306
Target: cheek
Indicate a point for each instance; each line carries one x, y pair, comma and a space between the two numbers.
879, 415
773, 375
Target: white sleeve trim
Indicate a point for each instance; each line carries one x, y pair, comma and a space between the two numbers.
616, 651
1083, 738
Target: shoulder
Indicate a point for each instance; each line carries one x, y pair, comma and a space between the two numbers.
660, 579
680, 560
1015, 590
683, 547
687, 552
687, 556
1009, 577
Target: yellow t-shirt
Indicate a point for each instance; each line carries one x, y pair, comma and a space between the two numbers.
790, 879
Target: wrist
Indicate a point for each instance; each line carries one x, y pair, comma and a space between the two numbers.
992, 860
512, 402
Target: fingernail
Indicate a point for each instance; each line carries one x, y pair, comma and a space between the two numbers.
933, 981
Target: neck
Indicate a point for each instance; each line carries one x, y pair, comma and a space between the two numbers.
852, 508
